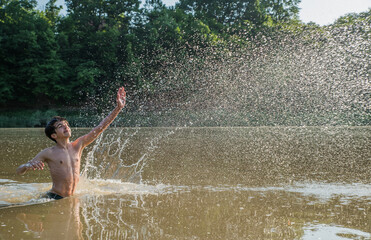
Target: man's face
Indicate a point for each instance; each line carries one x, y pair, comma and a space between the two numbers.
62, 129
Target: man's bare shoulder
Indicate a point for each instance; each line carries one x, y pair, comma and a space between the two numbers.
48, 153
49, 150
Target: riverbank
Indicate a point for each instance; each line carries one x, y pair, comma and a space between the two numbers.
180, 118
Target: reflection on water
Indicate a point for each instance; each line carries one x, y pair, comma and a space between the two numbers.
200, 183
52, 220
204, 212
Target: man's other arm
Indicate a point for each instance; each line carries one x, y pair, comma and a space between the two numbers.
35, 164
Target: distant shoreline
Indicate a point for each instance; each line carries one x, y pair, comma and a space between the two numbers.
181, 118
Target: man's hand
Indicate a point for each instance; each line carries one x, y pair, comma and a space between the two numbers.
35, 165
30, 165
121, 98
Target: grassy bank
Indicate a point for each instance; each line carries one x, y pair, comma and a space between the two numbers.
207, 118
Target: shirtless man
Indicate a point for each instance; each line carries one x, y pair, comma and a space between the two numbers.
64, 158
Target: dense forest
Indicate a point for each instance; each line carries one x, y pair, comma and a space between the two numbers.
53, 61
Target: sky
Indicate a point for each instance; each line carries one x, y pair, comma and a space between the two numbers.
322, 12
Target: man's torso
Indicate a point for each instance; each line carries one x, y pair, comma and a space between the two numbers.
64, 165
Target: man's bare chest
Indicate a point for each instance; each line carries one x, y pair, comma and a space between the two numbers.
65, 158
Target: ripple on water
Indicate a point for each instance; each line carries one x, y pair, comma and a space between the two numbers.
323, 231
321, 191
13, 193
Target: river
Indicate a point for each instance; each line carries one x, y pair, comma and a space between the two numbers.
196, 183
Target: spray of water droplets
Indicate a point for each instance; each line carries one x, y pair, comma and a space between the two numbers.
294, 76
122, 154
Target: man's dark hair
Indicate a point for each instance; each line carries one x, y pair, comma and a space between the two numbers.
50, 129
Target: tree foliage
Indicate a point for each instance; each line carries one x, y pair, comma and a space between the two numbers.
30, 68
100, 44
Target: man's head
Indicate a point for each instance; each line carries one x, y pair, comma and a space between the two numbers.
55, 124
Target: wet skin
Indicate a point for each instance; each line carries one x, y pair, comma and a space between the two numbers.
64, 158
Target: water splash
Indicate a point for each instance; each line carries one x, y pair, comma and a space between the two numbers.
294, 76
122, 154
15, 193
131, 214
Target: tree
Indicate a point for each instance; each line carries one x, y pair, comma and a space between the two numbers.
91, 39
350, 18
225, 12
281, 10
29, 66
52, 12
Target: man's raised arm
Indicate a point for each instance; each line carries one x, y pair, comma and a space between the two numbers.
93, 134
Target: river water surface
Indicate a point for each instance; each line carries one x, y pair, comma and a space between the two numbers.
196, 183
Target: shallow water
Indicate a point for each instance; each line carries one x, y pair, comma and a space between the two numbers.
196, 183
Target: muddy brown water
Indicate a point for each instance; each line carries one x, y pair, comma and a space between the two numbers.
196, 183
